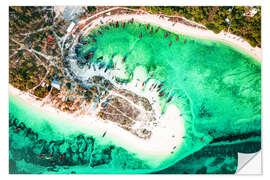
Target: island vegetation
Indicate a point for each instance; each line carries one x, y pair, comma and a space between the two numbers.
35, 35
242, 21
34, 53
36, 66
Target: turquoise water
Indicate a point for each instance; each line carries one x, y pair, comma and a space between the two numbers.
85, 151
216, 87
222, 83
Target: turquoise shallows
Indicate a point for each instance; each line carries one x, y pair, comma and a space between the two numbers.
216, 87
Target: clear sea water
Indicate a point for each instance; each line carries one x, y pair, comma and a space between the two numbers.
217, 87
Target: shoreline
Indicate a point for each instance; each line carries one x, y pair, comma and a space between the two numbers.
155, 150
178, 28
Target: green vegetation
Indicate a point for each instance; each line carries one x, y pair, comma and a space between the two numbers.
240, 20
33, 36
27, 75
91, 9
41, 91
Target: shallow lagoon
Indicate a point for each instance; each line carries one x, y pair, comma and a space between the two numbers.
222, 83
216, 87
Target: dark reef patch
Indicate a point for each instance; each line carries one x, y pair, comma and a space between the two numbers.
27, 149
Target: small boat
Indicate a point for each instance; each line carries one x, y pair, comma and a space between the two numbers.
165, 35
152, 75
143, 84
85, 43
202, 139
52, 163
61, 157
117, 24
161, 85
99, 58
169, 100
177, 38
140, 36
123, 25
41, 155
124, 59
104, 134
91, 36
17, 129
106, 70
161, 94
50, 156
170, 43
99, 33
157, 30
89, 56
93, 40
184, 41
147, 26
151, 30
155, 86
101, 66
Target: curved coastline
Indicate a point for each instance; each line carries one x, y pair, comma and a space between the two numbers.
207, 35
87, 30
154, 151
178, 28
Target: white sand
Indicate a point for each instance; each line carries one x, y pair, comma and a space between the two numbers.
165, 136
179, 28
170, 128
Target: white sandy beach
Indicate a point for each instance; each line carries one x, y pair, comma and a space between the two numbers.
170, 129
165, 136
178, 28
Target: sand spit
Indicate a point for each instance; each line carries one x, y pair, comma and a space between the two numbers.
166, 136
